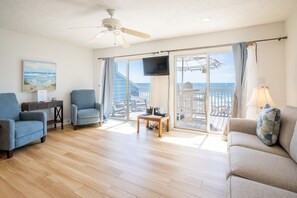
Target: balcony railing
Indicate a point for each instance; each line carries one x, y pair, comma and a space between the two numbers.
190, 102
193, 102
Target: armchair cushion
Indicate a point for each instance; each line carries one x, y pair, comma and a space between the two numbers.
83, 99
24, 128
9, 107
25, 116
87, 113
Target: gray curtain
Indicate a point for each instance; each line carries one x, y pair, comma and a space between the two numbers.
240, 57
107, 96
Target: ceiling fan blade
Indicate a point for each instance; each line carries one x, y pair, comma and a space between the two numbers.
97, 36
84, 27
121, 39
135, 33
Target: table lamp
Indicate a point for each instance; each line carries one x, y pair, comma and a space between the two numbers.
260, 97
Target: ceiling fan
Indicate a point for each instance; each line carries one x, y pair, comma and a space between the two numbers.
114, 26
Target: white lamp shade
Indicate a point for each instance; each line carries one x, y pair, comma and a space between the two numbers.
260, 97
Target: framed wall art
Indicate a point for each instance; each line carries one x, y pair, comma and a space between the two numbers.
38, 75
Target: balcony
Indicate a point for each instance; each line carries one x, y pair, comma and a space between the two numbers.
190, 107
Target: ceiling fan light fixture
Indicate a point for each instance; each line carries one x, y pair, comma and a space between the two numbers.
114, 25
111, 24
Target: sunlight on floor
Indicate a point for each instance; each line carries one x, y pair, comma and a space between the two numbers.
118, 126
190, 142
201, 141
214, 143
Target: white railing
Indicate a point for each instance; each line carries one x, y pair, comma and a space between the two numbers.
193, 101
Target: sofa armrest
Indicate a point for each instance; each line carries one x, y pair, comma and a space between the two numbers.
100, 109
74, 114
242, 125
7, 135
40, 116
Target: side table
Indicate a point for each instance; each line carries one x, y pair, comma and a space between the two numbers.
57, 105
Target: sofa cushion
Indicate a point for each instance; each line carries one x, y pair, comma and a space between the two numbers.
24, 128
268, 125
293, 145
288, 122
87, 113
266, 168
242, 188
253, 142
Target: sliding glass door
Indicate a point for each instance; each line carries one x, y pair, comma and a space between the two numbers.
204, 90
222, 81
131, 95
191, 90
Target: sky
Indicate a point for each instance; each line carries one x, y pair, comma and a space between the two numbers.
223, 74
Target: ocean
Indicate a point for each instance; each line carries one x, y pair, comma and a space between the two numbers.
195, 85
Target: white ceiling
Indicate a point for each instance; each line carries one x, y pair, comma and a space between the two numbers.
160, 18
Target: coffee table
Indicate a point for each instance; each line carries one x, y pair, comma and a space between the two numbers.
154, 118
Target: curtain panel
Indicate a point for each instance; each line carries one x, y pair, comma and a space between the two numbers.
251, 80
240, 58
107, 87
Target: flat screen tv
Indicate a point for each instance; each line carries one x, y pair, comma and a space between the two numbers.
156, 66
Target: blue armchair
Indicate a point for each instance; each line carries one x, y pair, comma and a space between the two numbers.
19, 128
84, 109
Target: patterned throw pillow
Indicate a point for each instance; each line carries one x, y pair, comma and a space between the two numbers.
268, 125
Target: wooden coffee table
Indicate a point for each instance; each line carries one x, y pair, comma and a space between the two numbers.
154, 118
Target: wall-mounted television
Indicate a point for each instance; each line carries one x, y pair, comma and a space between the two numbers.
156, 66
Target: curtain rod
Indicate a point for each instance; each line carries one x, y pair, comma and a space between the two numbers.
203, 47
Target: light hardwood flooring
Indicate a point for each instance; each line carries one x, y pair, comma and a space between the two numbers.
113, 161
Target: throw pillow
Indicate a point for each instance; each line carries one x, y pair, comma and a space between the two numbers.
268, 125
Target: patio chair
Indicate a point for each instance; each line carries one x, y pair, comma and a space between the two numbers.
187, 100
19, 128
118, 109
137, 103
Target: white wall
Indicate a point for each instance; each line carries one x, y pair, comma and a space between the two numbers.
271, 55
74, 65
291, 59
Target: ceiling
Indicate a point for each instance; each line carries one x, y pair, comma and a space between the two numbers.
161, 19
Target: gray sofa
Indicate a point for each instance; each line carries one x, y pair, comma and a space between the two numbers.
256, 170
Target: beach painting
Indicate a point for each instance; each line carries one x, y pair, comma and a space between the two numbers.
38, 75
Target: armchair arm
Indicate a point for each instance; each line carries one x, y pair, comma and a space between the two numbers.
100, 109
74, 114
242, 125
40, 116
7, 135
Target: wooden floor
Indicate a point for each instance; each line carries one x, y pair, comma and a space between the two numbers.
113, 161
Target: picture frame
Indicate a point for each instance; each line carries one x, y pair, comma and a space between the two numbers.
39, 75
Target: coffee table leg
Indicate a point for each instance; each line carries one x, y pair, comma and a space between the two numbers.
137, 125
160, 128
147, 124
168, 125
